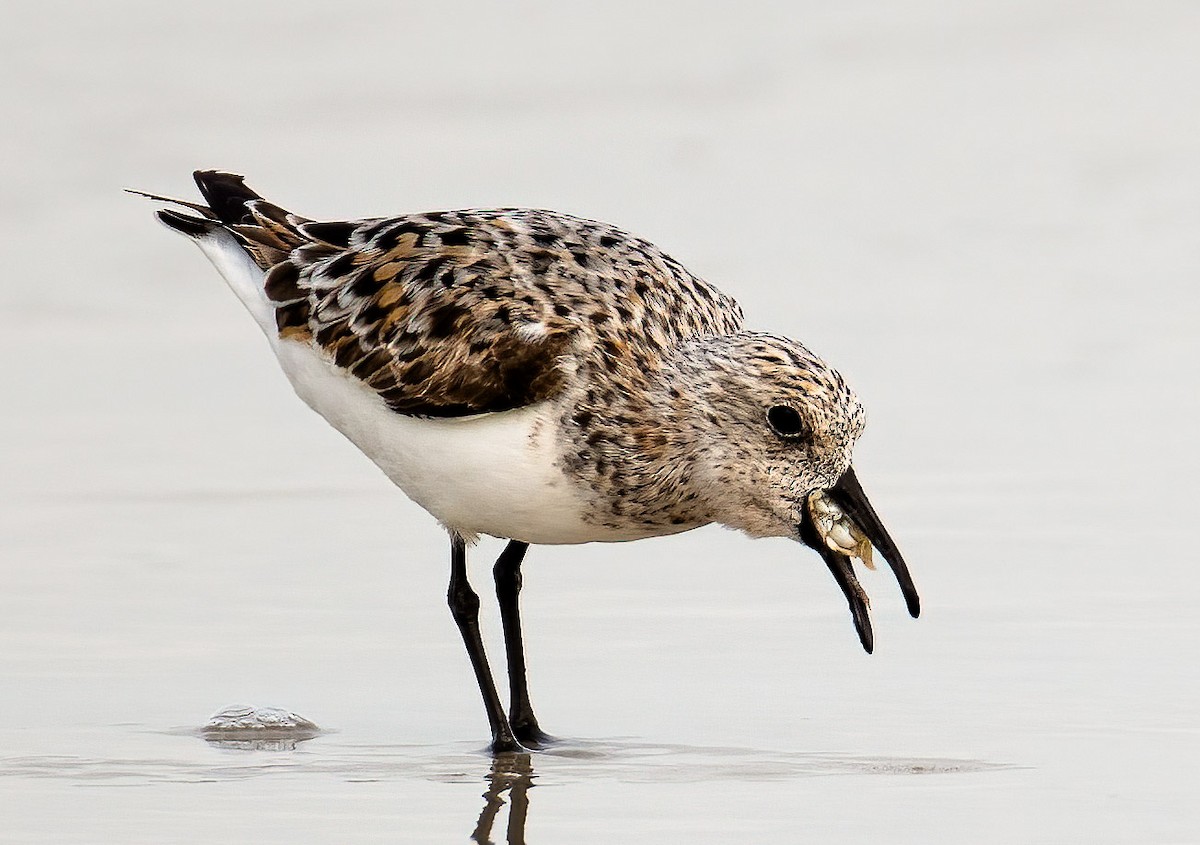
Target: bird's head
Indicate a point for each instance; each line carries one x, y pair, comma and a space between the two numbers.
778, 427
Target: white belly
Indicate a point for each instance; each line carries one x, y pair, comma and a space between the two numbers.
491, 474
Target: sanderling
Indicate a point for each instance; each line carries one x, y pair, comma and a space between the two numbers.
546, 379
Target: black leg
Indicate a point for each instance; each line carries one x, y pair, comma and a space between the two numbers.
508, 588
464, 606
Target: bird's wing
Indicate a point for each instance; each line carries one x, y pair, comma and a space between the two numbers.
464, 312
427, 310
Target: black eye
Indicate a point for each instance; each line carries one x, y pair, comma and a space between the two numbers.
786, 421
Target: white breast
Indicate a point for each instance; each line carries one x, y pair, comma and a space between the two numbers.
491, 474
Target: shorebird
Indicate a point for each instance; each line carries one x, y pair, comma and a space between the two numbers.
543, 378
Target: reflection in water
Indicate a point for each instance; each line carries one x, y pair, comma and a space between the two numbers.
511, 773
256, 743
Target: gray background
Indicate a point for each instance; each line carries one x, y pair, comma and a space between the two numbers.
984, 214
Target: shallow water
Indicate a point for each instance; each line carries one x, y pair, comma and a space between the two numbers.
986, 216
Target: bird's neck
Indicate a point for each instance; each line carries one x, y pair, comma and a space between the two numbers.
635, 448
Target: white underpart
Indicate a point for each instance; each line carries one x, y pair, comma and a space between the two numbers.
489, 474
494, 474
243, 276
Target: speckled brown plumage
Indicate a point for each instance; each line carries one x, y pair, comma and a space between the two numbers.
458, 313
546, 379
467, 312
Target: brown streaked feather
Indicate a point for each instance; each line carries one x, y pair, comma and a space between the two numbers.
477, 311
466, 312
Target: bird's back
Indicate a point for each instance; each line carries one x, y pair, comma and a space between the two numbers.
462, 312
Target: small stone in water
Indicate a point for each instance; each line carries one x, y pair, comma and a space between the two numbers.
241, 719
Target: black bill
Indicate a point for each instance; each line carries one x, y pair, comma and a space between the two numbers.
848, 494
843, 572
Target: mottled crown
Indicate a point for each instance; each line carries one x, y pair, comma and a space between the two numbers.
755, 367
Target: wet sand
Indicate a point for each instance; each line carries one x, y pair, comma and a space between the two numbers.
987, 218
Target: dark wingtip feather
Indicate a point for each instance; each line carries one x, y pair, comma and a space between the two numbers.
194, 206
335, 234
193, 227
226, 194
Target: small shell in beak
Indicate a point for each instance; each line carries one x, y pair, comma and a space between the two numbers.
838, 530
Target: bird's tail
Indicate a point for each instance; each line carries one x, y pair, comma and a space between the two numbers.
265, 231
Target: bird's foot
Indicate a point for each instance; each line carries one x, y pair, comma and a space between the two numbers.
504, 742
532, 736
